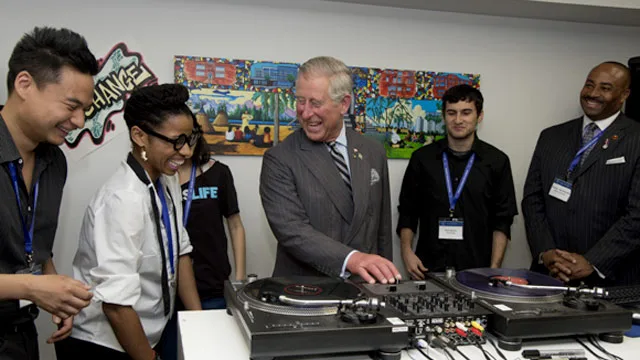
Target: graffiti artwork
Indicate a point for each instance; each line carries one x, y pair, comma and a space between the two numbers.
120, 72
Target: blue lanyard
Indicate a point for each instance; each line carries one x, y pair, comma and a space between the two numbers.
447, 177
167, 224
187, 206
28, 234
578, 156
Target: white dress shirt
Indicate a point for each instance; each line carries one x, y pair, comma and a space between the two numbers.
602, 124
119, 256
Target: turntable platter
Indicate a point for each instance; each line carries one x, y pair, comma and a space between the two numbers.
263, 294
481, 282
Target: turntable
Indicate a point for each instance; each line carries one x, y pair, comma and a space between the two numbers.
528, 305
310, 315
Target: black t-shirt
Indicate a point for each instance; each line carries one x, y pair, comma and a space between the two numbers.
487, 203
214, 196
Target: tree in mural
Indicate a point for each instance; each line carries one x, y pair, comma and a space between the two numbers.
378, 107
401, 114
273, 104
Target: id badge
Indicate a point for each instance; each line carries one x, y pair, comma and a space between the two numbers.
561, 190
34, 269
450, 228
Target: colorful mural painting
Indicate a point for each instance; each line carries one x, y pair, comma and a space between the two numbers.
247, 106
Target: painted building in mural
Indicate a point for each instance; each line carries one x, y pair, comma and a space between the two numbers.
210, 73
444, 81
398, 83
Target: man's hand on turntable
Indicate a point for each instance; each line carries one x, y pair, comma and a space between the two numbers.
413, 264
372, 268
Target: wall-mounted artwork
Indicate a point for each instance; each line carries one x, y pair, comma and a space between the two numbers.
247, 106
120, 72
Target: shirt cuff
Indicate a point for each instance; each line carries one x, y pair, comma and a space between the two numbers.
344, 273
117, 289
598, 272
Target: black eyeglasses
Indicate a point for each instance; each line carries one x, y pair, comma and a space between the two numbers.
180, 141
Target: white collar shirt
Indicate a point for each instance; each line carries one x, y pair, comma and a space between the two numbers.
119, 255
602, 124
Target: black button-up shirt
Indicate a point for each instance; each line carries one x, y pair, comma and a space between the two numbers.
51, 170
487, 203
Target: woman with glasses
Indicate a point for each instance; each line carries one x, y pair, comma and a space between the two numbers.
133, 249
208, 197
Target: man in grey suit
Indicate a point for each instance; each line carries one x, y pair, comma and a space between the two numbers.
325, 189
581, 200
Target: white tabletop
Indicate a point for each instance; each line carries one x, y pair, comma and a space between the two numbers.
212, 334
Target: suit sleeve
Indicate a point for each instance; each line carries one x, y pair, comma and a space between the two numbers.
623, 238
290, 223
533, 207
385, 245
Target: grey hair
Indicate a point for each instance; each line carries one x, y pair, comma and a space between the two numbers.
340, 81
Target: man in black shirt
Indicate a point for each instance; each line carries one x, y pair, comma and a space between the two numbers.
50, 85
460, 190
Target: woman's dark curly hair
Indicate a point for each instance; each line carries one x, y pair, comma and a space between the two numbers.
151, 105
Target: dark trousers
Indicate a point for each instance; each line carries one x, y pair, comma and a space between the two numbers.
19, 342
72, 348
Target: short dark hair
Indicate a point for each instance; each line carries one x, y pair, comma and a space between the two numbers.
45, 51
463, 92
625, 70
151, 105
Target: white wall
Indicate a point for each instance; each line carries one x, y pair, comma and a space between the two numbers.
531, 72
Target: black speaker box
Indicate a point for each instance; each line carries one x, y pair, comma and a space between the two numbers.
632, 108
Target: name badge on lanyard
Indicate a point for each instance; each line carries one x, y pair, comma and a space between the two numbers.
561, 189
452, 228
27, 229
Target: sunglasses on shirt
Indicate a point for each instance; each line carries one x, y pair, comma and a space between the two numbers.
180, 141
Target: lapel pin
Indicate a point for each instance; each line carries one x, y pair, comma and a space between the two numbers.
614, 137
606, 144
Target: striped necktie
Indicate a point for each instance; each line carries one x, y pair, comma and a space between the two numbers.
341, 164
589, 132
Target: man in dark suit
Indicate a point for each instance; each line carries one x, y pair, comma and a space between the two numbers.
325, 189
581, 200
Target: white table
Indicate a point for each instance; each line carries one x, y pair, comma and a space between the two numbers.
212, 334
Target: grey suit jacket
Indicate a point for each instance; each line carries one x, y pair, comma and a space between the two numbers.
308, 207
601, 220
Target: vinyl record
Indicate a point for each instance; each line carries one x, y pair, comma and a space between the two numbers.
303, 288
481, 280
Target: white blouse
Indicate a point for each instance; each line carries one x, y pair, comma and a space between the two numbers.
119, 255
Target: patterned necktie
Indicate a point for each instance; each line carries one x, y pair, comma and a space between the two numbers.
341, 164
589, 132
